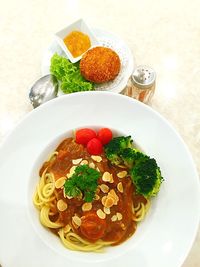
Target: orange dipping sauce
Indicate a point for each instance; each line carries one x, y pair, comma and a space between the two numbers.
77, 43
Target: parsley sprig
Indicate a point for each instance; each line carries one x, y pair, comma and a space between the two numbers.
84, 180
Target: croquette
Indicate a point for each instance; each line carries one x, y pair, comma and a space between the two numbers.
100, 64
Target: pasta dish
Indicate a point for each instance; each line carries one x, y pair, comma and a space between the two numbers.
87, 195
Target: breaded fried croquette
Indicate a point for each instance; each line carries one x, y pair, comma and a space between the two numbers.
100, 64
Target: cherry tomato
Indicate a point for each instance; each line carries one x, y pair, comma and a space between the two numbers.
92, 227
83, 136
94, 146
105, 135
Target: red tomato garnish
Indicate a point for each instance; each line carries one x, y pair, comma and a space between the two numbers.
83, 136
92, 227
94, 146
105, 135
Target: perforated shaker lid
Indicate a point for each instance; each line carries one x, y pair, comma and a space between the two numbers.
143, 76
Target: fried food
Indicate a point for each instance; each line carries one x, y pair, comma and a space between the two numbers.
100, 64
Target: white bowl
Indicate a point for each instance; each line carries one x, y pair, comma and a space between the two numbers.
163, 239
79, 25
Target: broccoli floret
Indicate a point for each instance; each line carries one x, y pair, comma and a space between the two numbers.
147, 177
130, 156
144, 171
121, 142
114, 148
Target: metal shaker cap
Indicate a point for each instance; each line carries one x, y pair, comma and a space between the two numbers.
143, 76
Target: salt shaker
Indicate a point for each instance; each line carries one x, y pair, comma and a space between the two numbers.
141, 85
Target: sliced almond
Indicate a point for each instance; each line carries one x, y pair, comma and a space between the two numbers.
119, 216
69, 197
61, 205
92, 165
101, 214
71, 171
114, 218
84, 162
97, 197
96, 158
87, 206
120, 187
64, 193
103, 200
106, 210
60, 182
111, 179
109, 202
76, 161
122, 174
104, 188
107, 177
113, 195
76, 220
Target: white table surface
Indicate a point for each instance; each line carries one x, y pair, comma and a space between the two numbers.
162, 34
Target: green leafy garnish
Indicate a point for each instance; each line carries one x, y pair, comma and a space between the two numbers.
84, 180
69, 75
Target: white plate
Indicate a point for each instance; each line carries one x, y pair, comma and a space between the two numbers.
164, 238
105, 39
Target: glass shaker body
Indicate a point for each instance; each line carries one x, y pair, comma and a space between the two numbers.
141, 84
